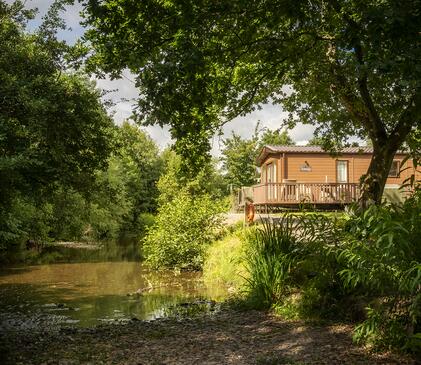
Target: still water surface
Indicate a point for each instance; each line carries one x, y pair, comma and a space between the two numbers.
85, 294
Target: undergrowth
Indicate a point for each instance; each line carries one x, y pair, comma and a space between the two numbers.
225, 261
363, 267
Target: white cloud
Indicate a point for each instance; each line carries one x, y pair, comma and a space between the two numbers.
270, 116
122, 92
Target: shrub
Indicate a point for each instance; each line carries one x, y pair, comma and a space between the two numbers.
282, 257
183, 230
364, 266
382, 261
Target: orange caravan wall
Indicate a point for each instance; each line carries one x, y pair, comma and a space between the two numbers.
321, 168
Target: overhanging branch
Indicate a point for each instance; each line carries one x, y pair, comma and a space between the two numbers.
408, 118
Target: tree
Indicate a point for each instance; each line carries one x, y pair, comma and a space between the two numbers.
352, 67
208, 179
141, 167
328, 143
239, 155
54, 129
239, 160
277, 137
316, 141
53, 126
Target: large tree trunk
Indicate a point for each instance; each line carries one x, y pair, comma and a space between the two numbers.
373, 183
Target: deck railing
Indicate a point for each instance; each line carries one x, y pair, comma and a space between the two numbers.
300, 193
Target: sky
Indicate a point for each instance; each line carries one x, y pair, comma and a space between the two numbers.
270, 116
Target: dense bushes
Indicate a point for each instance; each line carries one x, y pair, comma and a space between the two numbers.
183, 230
364, 267
382, 260
294, 253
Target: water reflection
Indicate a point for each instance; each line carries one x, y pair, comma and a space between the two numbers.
88, 293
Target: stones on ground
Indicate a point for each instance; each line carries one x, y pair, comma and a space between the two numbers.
226, 337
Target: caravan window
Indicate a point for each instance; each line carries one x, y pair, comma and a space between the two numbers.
341, 171
394, 169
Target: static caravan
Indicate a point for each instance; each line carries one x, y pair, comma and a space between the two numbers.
293, 175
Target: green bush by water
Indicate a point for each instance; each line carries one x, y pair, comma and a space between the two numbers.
183, 230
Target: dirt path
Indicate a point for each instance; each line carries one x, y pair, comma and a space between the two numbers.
228, 337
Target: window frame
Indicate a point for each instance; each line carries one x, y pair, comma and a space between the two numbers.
398, 168
347, 172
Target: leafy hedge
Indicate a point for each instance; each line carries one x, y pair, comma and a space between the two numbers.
183, 230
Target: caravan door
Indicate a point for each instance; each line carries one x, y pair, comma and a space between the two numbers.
271, 181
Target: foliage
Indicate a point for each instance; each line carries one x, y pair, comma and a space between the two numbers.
364, 267
129, 179
207, 181
239, 154
66, 172
349, 67
107, 211
183, 230
383, 260
239, 160
326, 142
189, 215
282, 257
53, 125
316, 141
70, 212
277, 137
141, 168
54, 130
25, 219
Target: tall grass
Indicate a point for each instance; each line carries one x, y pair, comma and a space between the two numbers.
277, 256
225, 261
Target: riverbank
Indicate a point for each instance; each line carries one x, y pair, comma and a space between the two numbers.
227, 337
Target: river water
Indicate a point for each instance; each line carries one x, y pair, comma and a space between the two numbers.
85, 294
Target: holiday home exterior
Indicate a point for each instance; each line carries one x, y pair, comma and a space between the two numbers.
293, 175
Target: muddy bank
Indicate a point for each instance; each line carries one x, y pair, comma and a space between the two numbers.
227, 337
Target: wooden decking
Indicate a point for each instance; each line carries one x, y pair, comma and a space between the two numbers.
272, 194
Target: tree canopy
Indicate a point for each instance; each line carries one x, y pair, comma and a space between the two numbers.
53, 126
277, 137
55, 133
141, 164
350, 67
239, 154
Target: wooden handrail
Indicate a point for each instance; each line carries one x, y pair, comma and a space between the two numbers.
295, 193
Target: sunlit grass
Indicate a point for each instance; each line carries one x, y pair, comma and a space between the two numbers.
225, 262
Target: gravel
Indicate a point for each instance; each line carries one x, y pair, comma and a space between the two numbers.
227, 337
